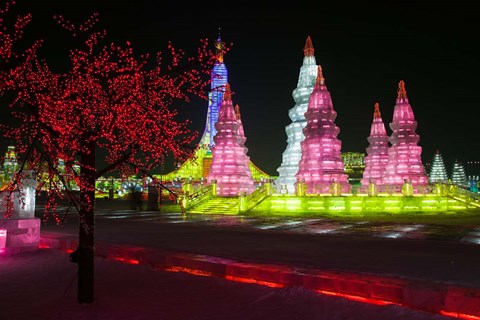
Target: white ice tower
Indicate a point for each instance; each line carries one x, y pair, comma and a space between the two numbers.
292, 154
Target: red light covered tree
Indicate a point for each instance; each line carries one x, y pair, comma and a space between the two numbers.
109, 99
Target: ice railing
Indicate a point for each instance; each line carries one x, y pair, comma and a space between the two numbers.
194, 199
461, 194
257, 196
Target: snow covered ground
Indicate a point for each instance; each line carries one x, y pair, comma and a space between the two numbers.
42, 285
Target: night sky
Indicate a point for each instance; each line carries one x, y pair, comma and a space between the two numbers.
364, 49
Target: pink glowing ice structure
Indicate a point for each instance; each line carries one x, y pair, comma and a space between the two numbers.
377, 151
321, 164
230, 163
3, 240
241, 134
404, 155
21, 232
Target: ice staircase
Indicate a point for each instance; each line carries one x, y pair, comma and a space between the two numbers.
203, 201
214, 205
462, 195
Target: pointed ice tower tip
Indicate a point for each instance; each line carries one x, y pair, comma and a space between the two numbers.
237, 112
320, 81
219, 46
376, 112
228, 93
308, 50
402, 92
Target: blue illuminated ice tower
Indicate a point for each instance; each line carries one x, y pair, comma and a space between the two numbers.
301, 94
198, 167
219, 77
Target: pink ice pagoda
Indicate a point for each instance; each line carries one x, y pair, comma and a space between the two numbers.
321, 166
230, 163
377, 151
242, 138
404, 155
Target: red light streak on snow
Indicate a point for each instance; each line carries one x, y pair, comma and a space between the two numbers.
377, 302
126, 260
250, 280
459, 315
373, 301
188, 270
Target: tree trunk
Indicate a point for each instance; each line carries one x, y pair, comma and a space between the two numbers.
86, 240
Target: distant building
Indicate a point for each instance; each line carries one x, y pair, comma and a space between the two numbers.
10, 164
472, 168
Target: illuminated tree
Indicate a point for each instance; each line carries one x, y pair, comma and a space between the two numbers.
109, 99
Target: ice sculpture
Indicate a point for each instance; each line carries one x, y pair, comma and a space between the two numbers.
377, 151
21, 232
230, 163
292, 154
198, 166
3, 239
242, 138
321, 167
458, 175
438, 173
219, 76
404, 155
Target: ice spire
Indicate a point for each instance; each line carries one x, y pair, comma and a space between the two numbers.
228, 93
376, 112
308, 49
220, 47
230, 163
321, 163
320, 80
404, 155
237, 112
292, 154
401, 92
377, 151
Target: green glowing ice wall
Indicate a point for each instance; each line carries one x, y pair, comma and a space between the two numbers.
357, 205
